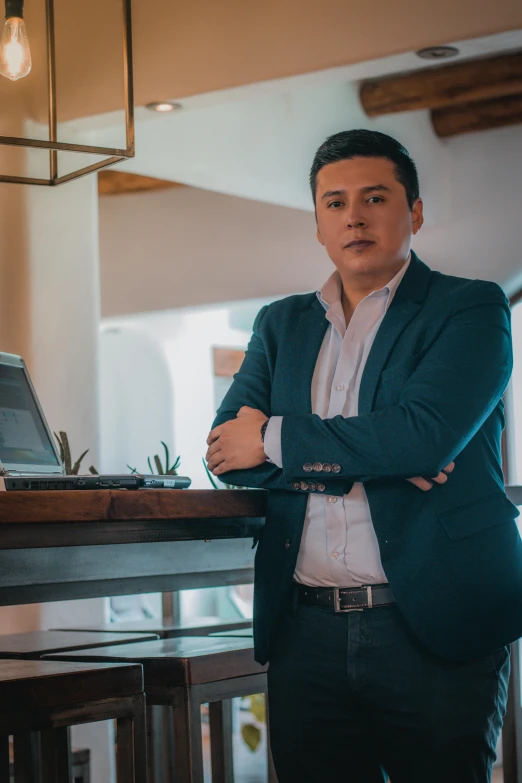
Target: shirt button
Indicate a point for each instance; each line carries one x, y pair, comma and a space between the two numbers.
335, 555
340, 386
332, 499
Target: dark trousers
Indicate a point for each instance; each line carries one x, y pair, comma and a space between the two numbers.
355, 698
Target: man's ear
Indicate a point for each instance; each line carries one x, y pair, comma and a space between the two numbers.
319, 237
417, 217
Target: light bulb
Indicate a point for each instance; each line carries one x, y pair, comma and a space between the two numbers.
15, 54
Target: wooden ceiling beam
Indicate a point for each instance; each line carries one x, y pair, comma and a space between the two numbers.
448, 85
115, 183
482, 115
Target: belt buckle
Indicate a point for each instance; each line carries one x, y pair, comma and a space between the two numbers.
337, 601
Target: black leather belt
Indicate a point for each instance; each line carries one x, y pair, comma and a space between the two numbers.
346, 599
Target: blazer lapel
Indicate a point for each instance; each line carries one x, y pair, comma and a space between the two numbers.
406, 304
310, 329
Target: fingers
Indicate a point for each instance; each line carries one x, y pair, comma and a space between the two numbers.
214, 435
213, 449
449, 468
440, 479
421, 483
215, 461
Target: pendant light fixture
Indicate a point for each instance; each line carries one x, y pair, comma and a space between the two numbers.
15, 54
15, 63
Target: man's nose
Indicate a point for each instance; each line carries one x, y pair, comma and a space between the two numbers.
355, 220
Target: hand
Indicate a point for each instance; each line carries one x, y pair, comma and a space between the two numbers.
237, 444
427, 484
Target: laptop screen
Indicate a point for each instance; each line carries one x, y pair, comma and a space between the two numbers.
24, 439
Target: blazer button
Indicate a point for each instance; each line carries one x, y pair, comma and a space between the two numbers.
308, 467
336, 468
303, 485
295, 485
326, 467
313, 486
321, 487
287, 543
317, 466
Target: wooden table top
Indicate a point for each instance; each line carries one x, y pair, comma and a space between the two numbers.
127, 505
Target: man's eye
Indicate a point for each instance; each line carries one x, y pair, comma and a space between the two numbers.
375, 199
335, 204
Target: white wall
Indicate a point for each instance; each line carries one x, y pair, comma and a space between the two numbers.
181, 247
176, 388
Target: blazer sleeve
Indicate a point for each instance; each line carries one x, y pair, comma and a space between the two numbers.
251, 386
452, 391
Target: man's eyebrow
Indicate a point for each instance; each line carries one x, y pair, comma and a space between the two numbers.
330, 193
369, 188
366, 189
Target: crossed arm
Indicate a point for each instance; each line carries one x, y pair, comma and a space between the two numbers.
453, 390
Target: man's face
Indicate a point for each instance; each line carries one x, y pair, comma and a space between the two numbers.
363, 217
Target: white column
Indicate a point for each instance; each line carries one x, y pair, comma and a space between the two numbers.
50, 314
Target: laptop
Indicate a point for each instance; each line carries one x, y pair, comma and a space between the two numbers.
29, 457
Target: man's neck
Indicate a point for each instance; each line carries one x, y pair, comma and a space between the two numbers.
358, 287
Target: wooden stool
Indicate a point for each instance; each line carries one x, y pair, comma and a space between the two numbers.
40, 700
236, 633
36, 644
183, 674
198, 626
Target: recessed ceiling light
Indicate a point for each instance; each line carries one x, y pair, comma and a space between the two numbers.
437, 52
163, 106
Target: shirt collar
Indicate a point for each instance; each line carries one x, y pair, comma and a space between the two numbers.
331, 291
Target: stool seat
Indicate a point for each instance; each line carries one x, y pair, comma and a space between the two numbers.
29, 685
183, 673
178, 662
237, 633
35, 644
41, 700
198, 626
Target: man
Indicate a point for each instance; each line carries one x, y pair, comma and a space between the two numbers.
384, 610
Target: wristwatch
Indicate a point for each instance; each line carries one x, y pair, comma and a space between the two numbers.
263, 429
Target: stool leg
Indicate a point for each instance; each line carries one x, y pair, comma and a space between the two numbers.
56, 756
188, 740
26, 748
139, 740
220, 719
124, 751
272, 776
4, 757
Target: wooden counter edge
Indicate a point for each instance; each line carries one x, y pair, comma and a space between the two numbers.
113, 505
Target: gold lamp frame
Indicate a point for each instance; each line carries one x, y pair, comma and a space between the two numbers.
54, 146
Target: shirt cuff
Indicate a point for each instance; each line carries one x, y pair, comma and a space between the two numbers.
272, 442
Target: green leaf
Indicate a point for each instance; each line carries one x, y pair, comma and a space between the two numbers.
252, 735
76, 466
167, 455
159, 466
258, 707
150, 466
209, 474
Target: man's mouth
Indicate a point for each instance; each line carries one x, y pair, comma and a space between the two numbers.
359, 243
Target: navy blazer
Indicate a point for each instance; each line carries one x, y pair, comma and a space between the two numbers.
431, 392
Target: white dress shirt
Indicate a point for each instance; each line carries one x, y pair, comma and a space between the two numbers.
339, 547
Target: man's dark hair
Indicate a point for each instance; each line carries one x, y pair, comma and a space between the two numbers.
364, 143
